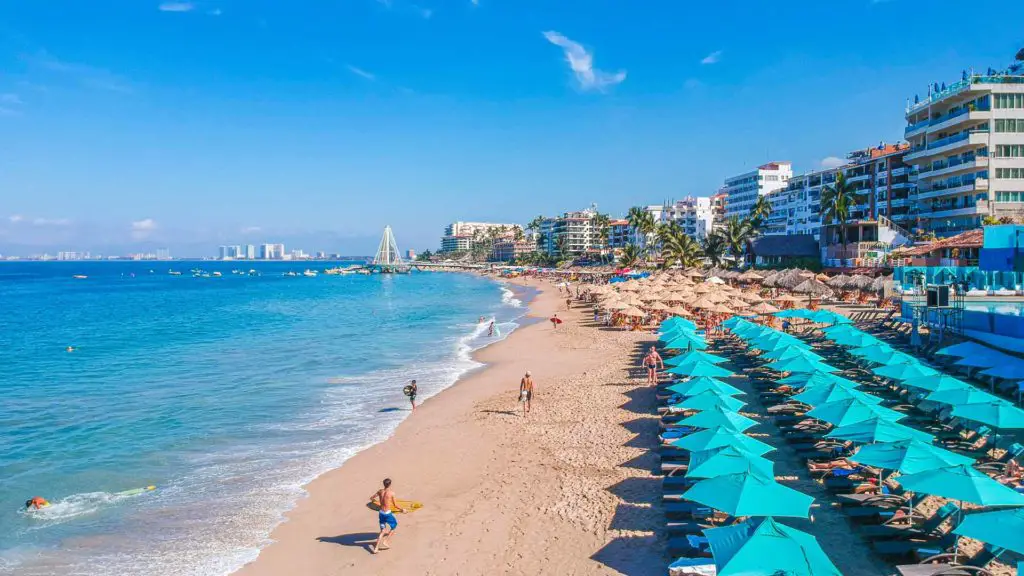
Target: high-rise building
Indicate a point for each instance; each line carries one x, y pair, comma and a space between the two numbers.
571, 234
163, 254
694, 215
967, 142
620, 234
459, 236
743, 190
250, 252
222, 252
272, 252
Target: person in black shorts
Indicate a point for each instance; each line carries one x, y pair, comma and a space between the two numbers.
412, 394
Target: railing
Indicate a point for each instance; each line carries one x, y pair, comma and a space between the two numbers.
958, 112
916, 126
962, 85
890, 224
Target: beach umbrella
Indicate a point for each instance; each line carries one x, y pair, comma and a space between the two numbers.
720, 437
1001, 528
878, 430
933, 383
794, 313
718, 416
1009, 370
813, 379
749, 276
709, 399
715, 280
878, 284
813, 288
1001, 414
763, 547
700, 368
854, 339
829, 317
763, 308
750, 494
960, 396
676, 322
964, 483
686, 342
838, 281
727, 460
694, 356
776, 340
786, 298
962, 349
800, 364
700, 384
873, 352
908, 456
833, 392
860, 282
905, 371
751, 297
851, 411
614, 305
784, 353
676, 330
656, 306
633, 312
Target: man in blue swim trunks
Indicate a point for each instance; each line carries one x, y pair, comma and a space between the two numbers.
385, 499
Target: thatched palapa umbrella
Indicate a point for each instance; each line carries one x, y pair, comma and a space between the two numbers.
814, 288
839, 281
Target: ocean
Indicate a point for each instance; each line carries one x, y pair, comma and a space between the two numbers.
227, 393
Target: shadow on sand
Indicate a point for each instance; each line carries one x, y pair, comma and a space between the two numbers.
362, 540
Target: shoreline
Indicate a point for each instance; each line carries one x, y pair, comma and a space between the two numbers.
501, 492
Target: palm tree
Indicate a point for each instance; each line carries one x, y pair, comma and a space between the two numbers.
518, 234
714, 247
836, 200
562, 246
760, 212
642, 222
735, 236
631, 255
601, 223
677, 247
535, 224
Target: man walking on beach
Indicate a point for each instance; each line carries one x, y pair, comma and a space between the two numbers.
652, 362
412, 394
526, 392
385, 500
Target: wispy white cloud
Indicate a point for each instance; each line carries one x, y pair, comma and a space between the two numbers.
832, 162
141, 229
712, 58
15, 218
581, 62
177, 7
84, 74
251, 230
50, 221
360, 72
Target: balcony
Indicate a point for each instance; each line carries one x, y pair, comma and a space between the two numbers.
949, 144
961, 116
916, 128
978, 209
932, 262
962, 86
952, 166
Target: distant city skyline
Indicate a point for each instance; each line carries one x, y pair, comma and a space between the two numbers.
126, 128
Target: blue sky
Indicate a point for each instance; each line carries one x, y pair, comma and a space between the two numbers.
191, 124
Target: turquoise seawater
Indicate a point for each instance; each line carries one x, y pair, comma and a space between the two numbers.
227, 393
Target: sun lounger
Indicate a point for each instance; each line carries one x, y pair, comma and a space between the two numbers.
690, 546
692, 567
687, 511
941, 564
914, 547
898, 528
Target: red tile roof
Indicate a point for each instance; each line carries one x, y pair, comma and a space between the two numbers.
969, 239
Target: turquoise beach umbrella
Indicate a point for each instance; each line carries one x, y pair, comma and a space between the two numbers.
963, 483
677, 321
792, 313
1002, 528
841, 329
692, 356
784, 353
905, 371
817, 378
700, 384
752, 331
874, 353
1001, 415
686, 342
777, 340
851, 411
718, 416
800, 364
750, 494
878, 430
908, 456
855, 339
935, 383
767, 548
831, 392
700, 368
710, 399
727, 460
961, 396
678, 333
719, 437
734, 322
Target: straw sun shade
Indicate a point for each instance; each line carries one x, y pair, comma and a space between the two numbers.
813, 287
633, 313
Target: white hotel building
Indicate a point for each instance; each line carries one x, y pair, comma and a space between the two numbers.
695, 215
744, 189
458, 236
967, 141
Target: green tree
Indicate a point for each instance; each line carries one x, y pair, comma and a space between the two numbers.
535, 224
642, 223
760, 212
631, 255
677, 247
836, 200
714, 248
736, 235
601, 223
424, 256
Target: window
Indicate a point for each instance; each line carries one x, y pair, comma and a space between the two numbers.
1009, 196
1010, 151
1010, 173
1009, 125
1009, 100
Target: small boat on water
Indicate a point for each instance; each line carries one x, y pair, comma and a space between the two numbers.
309, 273
290, 273
216, 274
174, 273
79, 277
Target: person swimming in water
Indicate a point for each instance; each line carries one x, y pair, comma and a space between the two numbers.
490, 329
70, 348
36, 502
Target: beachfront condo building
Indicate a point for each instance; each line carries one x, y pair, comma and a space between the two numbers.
272, 252
967, 142
796, 209
743, 190
620, 234
694, 215
571, 234
461, 236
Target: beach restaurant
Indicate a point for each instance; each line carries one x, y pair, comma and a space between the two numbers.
989, 260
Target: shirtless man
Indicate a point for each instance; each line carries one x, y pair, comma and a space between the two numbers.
652, 361
526, 392
385, 500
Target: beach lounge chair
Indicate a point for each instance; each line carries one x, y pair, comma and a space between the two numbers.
942, 564
898, 528
690, 546
687, 511
874, 507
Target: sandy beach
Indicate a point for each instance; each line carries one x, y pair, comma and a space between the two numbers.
566, 490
